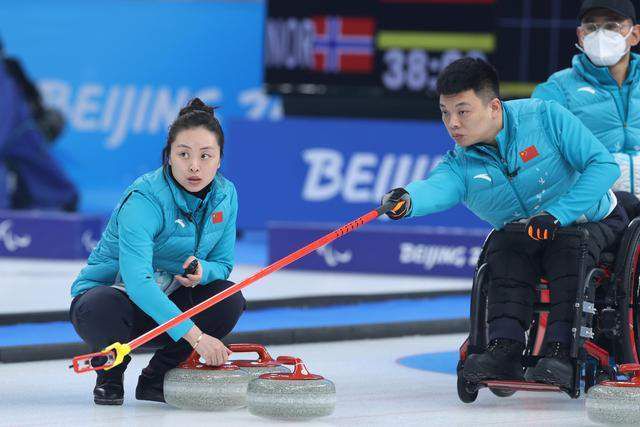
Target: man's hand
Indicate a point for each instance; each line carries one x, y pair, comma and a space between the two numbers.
401, 201
190, 280
542, 226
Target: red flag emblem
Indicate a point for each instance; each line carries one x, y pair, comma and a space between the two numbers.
216, 217
529, 153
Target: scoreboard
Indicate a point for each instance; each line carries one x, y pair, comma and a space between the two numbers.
387, 47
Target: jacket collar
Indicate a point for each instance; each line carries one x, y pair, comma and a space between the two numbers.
504, 136
180, 197
600, 76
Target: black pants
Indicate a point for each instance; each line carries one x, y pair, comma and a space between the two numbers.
516, 264
104, 315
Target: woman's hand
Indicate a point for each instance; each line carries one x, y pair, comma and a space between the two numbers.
192, 279
211, 349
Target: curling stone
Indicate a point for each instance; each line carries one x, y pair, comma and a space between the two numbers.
293, 396
616, 402
263, 365
194, 385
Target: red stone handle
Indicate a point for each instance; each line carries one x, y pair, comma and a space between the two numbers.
193, 362
300, 371
629, 368
263, 354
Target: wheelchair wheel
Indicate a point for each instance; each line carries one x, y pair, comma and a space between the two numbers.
629, 293
500, 392
464, 390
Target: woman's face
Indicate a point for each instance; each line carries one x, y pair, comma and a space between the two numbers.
195, 158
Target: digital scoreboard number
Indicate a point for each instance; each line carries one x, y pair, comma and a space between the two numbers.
378, 47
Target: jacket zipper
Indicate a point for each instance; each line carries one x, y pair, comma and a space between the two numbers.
503, 168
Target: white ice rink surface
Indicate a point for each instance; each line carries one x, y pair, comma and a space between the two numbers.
372, 390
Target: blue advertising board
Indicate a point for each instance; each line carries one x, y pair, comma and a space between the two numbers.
48, 235
331, 170
423, 251
120, 70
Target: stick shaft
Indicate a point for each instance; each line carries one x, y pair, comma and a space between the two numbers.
283, 262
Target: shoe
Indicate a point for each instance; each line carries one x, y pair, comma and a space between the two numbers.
501, 361
554, 368
109, 389
150, 386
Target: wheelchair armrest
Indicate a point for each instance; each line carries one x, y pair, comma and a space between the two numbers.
577, 231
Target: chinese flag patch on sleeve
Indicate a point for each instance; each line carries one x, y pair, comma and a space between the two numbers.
529, 153
216, 217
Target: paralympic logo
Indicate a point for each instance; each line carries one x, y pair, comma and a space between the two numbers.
12, 242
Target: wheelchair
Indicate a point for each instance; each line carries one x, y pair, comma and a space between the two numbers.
605, 330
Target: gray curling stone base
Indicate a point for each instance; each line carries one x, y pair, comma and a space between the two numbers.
207, 390
613, 405
291, 399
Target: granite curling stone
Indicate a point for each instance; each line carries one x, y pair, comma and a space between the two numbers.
263, 365
294, 396
194, 385
616, 402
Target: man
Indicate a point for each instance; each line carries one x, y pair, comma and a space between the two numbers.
520, 160
601, 87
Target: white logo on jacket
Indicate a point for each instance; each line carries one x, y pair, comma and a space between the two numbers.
589, 89
484, 176
180, 223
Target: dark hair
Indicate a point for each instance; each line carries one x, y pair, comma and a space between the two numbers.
195, 114
469, 73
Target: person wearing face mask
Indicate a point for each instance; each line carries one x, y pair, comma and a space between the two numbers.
602, 86
525, 160
135, 277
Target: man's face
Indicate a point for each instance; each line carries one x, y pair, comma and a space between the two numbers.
468, 118
608, 20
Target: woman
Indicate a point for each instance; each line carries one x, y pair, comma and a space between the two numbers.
134, 278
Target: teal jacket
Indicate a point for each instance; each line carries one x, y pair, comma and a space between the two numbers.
611, 113
155, 227
538, 166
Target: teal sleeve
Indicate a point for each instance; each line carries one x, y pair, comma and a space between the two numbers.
139, 220
586, 154
550, 91
219, 261
443, 189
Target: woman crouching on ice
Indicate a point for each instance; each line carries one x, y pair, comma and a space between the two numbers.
133, 279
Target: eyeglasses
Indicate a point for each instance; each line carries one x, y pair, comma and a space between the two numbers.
591, 27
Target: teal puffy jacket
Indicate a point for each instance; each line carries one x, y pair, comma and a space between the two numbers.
155, 227
611, 112
546, 160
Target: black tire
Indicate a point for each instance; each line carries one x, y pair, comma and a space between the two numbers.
464, 394
501, 392
628, 272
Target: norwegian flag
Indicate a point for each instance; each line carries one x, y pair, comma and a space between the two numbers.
343, 44
529, 153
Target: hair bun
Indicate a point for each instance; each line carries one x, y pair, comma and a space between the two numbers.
196, 105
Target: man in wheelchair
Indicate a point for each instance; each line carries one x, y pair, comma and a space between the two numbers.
525, 160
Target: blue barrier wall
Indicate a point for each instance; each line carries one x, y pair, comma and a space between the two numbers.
329, 170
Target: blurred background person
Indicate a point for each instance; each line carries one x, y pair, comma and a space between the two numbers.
29, 176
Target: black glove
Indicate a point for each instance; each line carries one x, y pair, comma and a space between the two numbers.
542, 226
192, 268
401, 203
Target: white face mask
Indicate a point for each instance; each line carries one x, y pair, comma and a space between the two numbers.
605, 47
